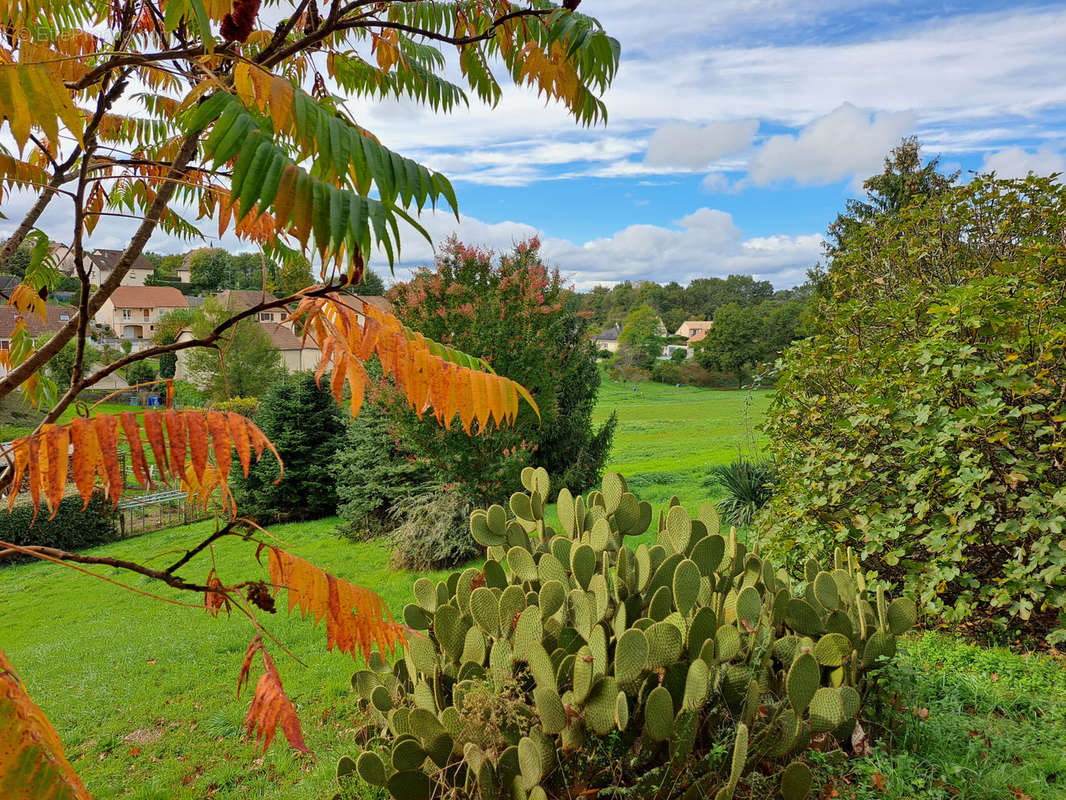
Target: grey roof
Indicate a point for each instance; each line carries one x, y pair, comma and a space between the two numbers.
609, 334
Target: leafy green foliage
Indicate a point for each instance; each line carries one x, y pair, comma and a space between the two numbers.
923, 423
70, 529
904, 180
433, 530
642, 333
209, 270
61, 366
140, 372
571, 659
306, 426
246, 363
748, 484
736, 342
513, 312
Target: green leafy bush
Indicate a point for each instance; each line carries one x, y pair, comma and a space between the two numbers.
433, 531
70, 529
245, 406
748, 485
925, 422
573, 660
305, 425
666, 372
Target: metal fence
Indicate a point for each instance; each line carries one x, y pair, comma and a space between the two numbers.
157, 510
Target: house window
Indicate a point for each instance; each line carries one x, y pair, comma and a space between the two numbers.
64, 317
266, 317
127, 313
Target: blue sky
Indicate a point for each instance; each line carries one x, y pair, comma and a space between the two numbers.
737, 130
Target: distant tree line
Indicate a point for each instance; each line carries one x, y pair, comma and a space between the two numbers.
212, 270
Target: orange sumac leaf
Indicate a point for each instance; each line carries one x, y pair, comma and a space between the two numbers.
215, 601
348, 331
356, 618
91, 448
220, 441
133, 439
153, 428
271, 707
175, 425
32, 763
196, 427
238, 431
57, 441
106, 427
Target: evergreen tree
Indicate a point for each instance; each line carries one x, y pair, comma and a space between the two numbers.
305, 424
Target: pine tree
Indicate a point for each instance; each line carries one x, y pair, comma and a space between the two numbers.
306, 426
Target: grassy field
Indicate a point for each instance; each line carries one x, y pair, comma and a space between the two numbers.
142, 693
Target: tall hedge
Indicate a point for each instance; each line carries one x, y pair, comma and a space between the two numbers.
70, 529
925, 423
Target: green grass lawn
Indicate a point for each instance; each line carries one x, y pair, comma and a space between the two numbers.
143, 693
31, 417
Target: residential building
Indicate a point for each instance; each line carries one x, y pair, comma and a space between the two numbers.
296, 353
55, 318
100, 264
104, 262
690, 328
133, 311
607, 339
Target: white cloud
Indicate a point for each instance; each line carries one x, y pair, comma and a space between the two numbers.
1015, 162
704, 243
695, 146
842, 144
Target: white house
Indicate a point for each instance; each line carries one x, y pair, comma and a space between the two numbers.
133, 311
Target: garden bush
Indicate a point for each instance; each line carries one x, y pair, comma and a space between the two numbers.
72, 528
573, 665
306, 426
666, 372
433, 530
925, 421
245, 406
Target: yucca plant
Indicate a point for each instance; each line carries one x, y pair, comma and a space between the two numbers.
748, 484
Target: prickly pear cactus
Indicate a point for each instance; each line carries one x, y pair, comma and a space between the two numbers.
570, 646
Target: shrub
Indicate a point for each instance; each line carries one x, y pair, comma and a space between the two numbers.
186, 395
748, 486
433, 531
307, 428
631, 374
245, 406
924, 422
694, 374
678, 356
666, 372
572, 659
70, 529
